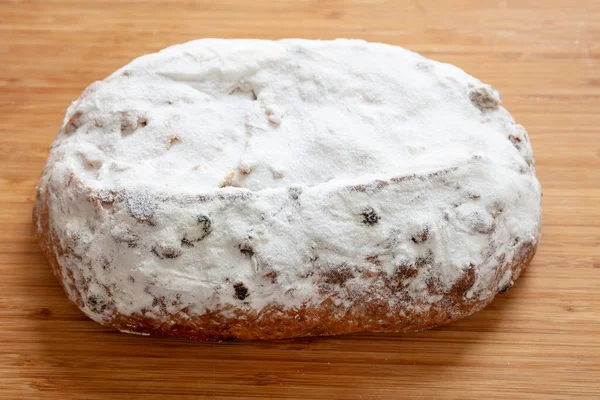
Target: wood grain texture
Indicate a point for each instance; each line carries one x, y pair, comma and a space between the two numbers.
541, 340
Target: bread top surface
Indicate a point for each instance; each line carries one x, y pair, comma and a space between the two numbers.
249, 173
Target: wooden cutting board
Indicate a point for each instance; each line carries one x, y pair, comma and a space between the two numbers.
541, 340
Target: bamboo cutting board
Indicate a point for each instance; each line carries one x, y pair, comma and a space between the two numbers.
541, 340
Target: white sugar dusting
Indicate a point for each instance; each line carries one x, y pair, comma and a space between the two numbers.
241, 172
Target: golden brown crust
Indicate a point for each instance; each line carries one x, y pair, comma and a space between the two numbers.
369, 312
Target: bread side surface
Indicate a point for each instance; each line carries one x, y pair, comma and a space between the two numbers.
386, 303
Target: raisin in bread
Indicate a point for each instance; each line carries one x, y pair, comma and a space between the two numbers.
273, 189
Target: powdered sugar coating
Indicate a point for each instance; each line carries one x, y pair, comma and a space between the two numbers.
237, 174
